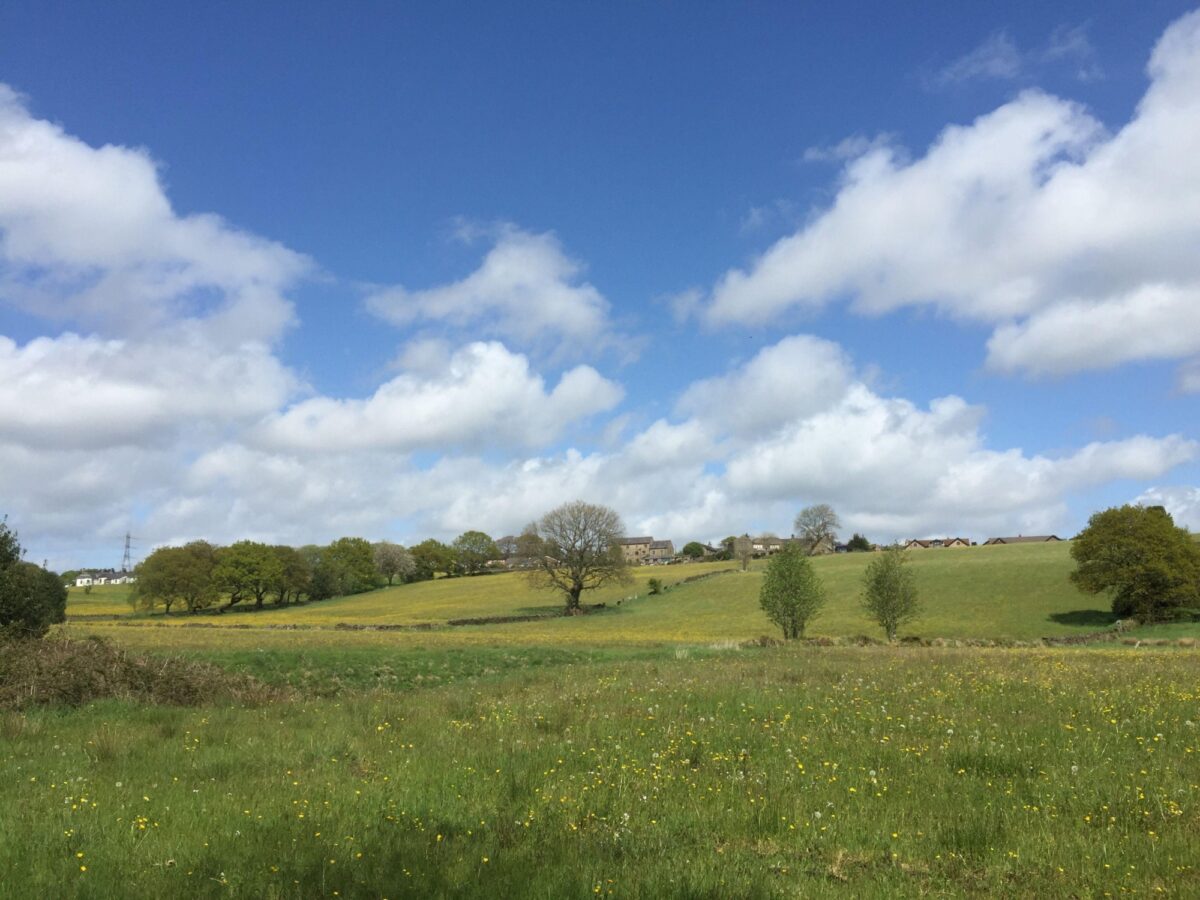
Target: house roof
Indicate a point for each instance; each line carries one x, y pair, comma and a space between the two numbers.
660, 545
635, 540
1024, 539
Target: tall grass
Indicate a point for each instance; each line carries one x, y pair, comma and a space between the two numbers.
779, 772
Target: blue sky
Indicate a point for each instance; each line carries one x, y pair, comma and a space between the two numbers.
291, 271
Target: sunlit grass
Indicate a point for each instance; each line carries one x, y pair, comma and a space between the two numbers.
1008, 592
789, 772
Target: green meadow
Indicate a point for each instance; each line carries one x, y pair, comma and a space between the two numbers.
650, 748
1017, 592
781, 772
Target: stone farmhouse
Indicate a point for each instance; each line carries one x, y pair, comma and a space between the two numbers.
640, 551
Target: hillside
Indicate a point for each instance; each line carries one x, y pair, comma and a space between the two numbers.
1017, 592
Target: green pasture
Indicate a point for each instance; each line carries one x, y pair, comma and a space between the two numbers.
1015, 592
99, 600
785, 772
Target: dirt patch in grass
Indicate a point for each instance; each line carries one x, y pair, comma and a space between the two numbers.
66, 672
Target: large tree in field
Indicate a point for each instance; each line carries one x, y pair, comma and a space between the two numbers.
890, 591
393, 561
791, 593
173, 575
1141, 559
473, 550
574, 549
692, 550
817, 525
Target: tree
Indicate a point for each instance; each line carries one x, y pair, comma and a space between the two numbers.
727, 547
692, 550
890, 591
507, 546
792, 593
173, 575
816, 526
31, 598
574, 548
393, 561
432, 557
351, 563
1137, 555
473, 550
322, 583
858, 544
295, 575
247, 569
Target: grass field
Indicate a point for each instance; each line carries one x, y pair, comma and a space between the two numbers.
784, 772
101, 600
1007, 592
633, 752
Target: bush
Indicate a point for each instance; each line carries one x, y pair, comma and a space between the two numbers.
655, 585
31, 598
66, 672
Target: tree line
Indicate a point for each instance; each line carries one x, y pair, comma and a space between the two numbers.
200, 575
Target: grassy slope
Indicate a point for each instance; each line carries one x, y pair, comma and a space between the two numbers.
1017, 592
102, 600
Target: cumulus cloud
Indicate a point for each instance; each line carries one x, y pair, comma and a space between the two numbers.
526, 291
88, 235
1032, 218
88, 392
485, 394
792, 379
1182, 502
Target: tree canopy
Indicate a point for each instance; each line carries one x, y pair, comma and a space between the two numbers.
792, 593
173, 575
890, 591
473, 550
393, 561
247, 569
858, 544
431, 557
1141, 559
816, 525
573, 549
692, 550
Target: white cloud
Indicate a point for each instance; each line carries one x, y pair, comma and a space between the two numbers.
1183, 503
87, 392
999, 59
793, 379
1031, 218
88, 235
485, 395
527, 291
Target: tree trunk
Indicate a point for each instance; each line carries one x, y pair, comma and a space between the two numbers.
573, 599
